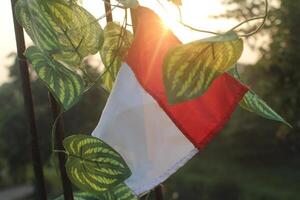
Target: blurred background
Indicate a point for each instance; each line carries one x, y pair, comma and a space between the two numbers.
251, 159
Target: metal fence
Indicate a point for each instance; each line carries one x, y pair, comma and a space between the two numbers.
40, 186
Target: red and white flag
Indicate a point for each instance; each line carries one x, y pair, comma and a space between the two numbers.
155, 137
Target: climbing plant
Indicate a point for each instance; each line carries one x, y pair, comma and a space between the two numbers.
64, 34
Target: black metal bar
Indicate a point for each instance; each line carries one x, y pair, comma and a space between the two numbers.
159, 193
108, 11
133, 12
58, 144
28, 102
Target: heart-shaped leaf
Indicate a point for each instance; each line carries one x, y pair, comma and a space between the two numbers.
64, 30
120, 192
64, 84
94, 166
190, 68
116, 43
253, 103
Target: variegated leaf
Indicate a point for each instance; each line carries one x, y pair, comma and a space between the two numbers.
190, 68
123, 192
253, 103
64, 30
82, 196
116, 43
64, 84
94, 166
120, 192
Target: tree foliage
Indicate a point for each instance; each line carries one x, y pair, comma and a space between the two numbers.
13, 123
276, 75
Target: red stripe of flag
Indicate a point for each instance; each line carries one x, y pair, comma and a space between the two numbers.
199, 119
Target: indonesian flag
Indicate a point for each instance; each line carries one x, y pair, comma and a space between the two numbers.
155, 137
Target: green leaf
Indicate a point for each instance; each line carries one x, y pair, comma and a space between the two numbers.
190, 68
116, 43
94, 166
253, 103
123, 192
66, 86
64, 30
82, 196
120, 192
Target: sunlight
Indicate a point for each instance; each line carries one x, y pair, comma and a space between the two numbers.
170, 19
195, 13
198, 14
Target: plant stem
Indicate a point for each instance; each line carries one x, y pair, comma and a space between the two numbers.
107, 5
58, 138
159, 193
265, 17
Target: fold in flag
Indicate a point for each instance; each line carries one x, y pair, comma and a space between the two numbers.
155, 137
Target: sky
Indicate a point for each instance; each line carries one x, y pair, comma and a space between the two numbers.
194, 12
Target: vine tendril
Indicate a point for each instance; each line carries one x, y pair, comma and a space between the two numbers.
119, 43
193, 28
232, 29
265, 17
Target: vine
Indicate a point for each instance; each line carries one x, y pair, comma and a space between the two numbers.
64, 33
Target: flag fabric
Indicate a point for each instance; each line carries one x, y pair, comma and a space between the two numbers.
155, 137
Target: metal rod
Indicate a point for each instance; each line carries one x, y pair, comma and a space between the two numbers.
28, 102
58, 140
133, 13
107, 5
159, 193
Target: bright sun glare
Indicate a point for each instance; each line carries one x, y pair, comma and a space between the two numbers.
195, 13
170, 20
198, 14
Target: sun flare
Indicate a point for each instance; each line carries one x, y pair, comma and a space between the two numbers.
196, 14
170, 20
